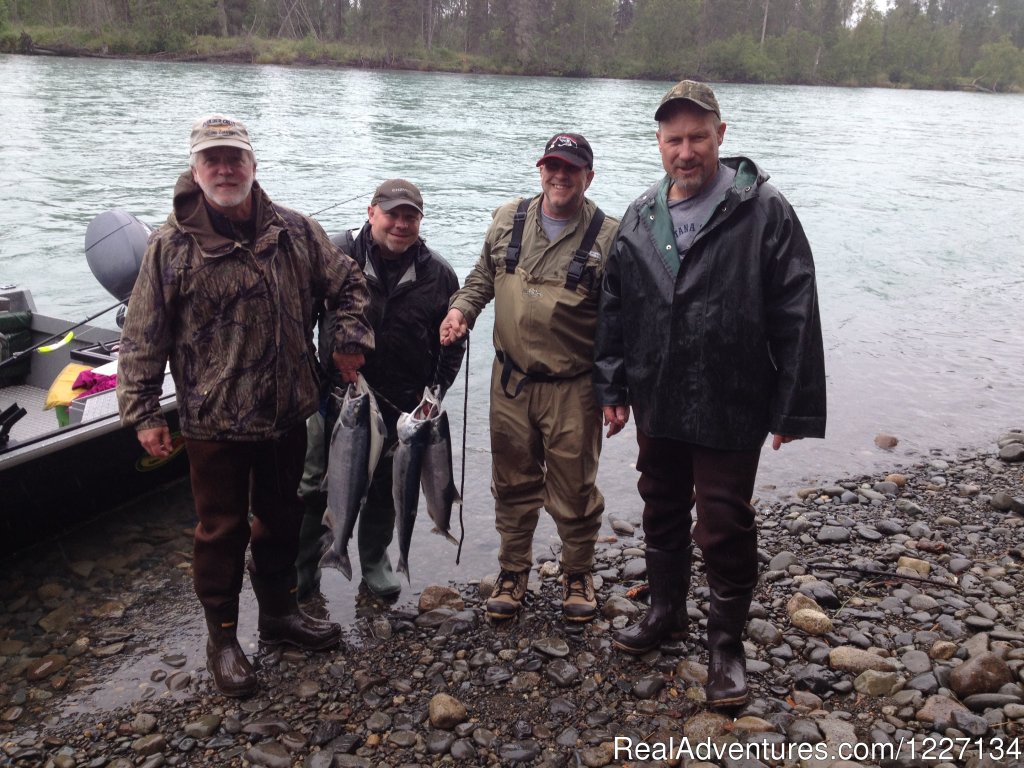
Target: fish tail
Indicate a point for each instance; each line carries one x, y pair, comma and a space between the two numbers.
339, 561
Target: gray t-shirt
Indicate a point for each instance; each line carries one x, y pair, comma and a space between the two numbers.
688, 216
552, 227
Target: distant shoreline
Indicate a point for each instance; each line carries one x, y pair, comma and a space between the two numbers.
466, 65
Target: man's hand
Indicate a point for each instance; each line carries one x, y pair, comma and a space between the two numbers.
615, 418
453, 327
156, 441
779, 440
348, 365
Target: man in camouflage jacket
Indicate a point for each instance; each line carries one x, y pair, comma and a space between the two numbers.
226, 293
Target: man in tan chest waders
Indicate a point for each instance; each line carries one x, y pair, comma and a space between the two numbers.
542, 262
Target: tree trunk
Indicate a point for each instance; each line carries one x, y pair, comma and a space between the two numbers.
222, 18
764, 23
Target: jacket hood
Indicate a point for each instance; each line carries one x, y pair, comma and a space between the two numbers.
191, 216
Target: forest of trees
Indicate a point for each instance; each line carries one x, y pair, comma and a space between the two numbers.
911, 43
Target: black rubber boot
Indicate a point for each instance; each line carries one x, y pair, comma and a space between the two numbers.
727, 668
668, 575
281, 620
232, 673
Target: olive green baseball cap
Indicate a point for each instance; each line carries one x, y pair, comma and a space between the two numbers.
690, 90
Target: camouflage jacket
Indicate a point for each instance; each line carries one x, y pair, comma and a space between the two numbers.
235, 321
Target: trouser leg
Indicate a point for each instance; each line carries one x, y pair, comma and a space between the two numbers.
517, 475
727, 535
220, 474
570, 424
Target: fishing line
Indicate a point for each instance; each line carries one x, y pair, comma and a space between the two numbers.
341, 203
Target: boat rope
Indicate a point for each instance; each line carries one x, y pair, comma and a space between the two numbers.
329, 207
47, 345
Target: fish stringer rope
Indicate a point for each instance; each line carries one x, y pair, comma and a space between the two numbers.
462, 476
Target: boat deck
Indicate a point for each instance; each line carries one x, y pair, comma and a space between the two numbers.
32, 399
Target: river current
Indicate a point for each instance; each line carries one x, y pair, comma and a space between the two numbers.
911, 200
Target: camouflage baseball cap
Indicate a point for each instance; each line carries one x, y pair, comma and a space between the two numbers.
690, 90
395, 192
218, 131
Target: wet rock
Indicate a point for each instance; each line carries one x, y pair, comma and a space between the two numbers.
562, 673
886, 441
435, 596
41, 669
446, 711
269, 754
204, 727
149, 745
553, 647
984, 673
854, 660
812, 621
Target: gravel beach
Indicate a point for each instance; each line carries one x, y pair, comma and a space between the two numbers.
887, 630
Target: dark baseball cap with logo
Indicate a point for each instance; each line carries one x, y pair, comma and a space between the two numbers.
395, 192
569, 147
689, 90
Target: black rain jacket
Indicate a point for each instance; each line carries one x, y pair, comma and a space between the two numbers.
725, 346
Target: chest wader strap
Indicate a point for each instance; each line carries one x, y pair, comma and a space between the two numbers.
515, 244
579, 259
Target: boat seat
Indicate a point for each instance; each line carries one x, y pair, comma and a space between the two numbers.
15, 336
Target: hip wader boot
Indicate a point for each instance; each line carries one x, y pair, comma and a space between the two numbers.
232, 673
668, 576
376, 529
282, 622
313, 542
727, 668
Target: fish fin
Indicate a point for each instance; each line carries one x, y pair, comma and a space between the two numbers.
403, 567
446, 534
341, 562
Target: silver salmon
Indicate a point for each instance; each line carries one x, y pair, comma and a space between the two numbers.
414, 431
355, 448
437, 478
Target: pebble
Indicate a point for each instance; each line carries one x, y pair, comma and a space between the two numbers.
919, 634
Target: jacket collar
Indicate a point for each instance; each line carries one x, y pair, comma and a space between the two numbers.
191, 217
749, 177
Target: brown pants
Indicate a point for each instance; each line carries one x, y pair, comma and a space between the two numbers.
673, 475
230, 479
545, 445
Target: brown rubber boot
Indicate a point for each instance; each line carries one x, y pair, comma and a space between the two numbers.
668, 574
283, 622
727, 668
232, 673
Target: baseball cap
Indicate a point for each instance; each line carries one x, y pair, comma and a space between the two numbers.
690, 90
570, 147
218, 131
395, 192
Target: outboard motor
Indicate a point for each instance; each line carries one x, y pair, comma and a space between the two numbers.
115, 243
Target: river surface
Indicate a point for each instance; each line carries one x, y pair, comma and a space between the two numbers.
911, 200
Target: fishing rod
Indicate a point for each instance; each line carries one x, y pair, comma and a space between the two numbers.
329, 207
61, 337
